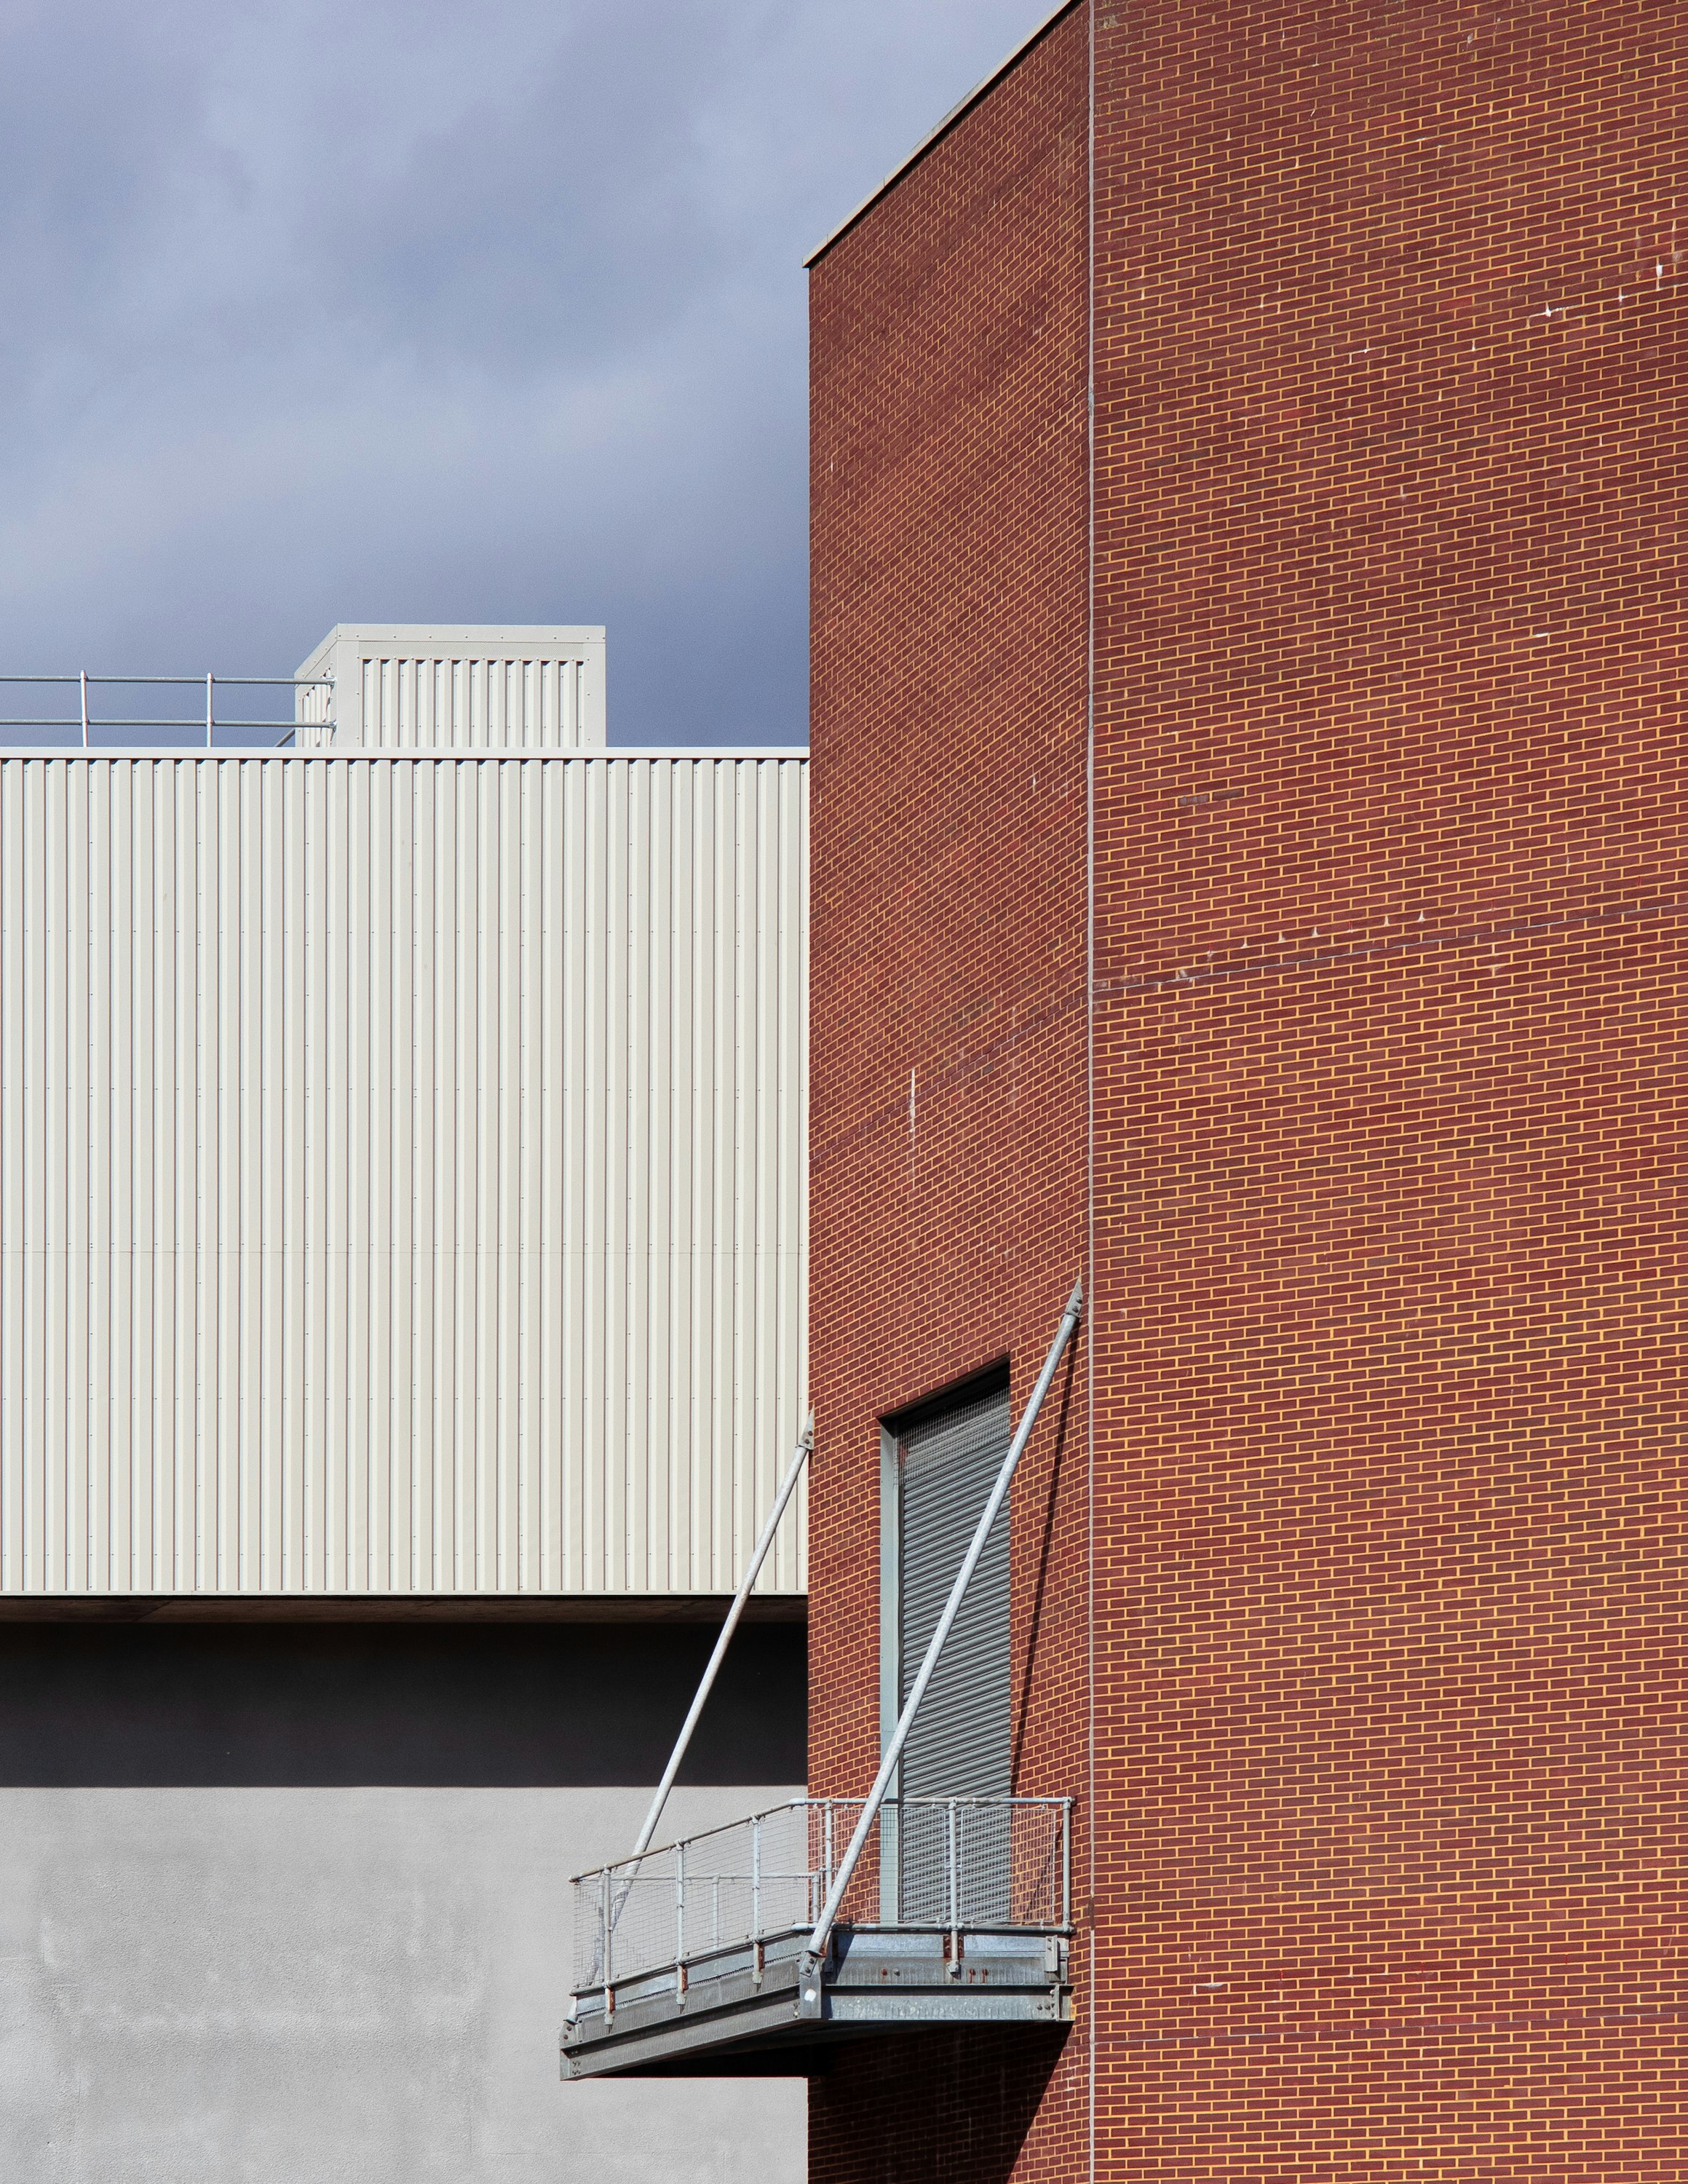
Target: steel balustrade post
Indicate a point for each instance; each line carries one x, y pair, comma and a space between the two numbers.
1066, 1861
680, 1918
893, 1750
954, 1902
209, 715
608, 1929
83, 679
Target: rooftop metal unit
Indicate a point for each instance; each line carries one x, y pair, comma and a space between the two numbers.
697, 1956
428, 686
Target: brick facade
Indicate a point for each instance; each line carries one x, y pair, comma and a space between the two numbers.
947, 999
1384, 1311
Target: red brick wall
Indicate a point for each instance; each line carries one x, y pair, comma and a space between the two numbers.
1384, 1316
949, 342
1391, 390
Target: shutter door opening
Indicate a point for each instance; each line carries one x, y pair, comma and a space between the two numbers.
959, 1744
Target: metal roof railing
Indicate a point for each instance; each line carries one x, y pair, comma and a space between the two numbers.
206, 723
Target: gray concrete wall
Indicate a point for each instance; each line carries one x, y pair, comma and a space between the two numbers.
310, 1983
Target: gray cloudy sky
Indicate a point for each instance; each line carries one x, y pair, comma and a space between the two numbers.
328, 310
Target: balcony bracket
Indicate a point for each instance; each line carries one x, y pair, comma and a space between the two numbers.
874, 1981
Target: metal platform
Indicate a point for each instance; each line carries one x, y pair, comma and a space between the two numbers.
696, 1956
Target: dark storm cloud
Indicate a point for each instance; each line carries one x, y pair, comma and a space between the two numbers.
320, 313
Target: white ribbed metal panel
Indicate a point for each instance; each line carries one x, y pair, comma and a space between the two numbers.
407, 686
402, 1171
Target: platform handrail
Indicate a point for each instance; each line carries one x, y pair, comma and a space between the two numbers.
995, 1863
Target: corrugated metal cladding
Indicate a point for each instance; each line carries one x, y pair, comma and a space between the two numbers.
418, 685
959, 1743
402, 1172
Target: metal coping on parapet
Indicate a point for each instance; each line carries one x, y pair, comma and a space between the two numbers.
398, 754
957, 112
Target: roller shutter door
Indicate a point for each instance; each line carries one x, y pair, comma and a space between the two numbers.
959, 1746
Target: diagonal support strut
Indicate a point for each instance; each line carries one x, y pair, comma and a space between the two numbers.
788, 1486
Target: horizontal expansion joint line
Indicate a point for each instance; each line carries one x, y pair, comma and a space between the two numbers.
1200, 974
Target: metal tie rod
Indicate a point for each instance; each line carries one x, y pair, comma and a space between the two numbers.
612, 1914
788, 1486
893, 1750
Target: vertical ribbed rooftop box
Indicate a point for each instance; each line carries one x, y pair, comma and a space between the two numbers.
451, 687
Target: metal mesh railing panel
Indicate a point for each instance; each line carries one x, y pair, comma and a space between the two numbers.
722, 1890
966, 1862
978, 1862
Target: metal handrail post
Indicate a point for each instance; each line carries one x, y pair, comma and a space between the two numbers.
805, 1442
955, 1900
209, 715
952, 1608
1066, 1861
84, 680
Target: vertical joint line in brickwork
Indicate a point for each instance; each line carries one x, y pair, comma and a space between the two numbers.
1090, 1070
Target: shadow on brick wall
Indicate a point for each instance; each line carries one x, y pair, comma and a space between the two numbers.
930, 2108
